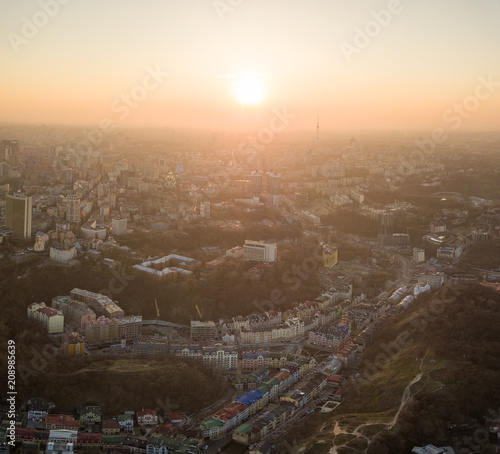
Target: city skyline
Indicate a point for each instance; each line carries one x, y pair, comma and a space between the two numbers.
227, 65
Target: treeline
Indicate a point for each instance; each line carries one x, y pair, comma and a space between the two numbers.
119, 385
198, 236
485, 255
352, 222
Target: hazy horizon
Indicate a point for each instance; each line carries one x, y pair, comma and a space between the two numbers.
202, 65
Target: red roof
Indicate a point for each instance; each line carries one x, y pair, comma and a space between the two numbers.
110, 424
24, 432
282, 375
165, 429
61, 420
49, 311
146, 411
230, 412
175, 417
335, 378
84, 437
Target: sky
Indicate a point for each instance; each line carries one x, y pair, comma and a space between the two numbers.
232, 64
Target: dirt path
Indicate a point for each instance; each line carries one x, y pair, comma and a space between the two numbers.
406, 397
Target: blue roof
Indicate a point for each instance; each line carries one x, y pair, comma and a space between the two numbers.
251, 397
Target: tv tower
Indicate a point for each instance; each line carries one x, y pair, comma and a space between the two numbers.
317, 133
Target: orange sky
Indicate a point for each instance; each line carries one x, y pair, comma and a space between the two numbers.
421, 61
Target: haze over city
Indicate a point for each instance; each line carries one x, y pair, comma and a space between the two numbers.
250, 227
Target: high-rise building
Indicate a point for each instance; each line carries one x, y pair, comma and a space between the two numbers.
386, 224
18, 212
256, 183
274, 183
8, 150
73, 208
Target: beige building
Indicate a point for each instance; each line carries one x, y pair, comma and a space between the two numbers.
51, 318
102, 330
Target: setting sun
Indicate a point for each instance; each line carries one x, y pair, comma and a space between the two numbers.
249, 91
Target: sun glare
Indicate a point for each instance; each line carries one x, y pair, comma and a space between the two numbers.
249, 91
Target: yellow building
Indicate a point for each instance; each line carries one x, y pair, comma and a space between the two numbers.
330, 256
51, 318
73, 344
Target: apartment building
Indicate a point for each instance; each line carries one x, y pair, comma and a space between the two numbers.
101, 304
52, 319
203, 331
73, 344
260, 251
102, 330
75, 312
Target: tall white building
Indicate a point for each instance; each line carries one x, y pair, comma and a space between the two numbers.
73, 208
260, 251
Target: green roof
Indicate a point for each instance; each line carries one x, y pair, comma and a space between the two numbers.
265, 388
244, 428
212, 423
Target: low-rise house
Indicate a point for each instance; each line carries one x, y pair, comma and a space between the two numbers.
92, 439
147, 417
126, 422
110, 427
38, 409
90, 414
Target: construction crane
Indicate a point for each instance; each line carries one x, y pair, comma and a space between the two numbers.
157, 310
198, 310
